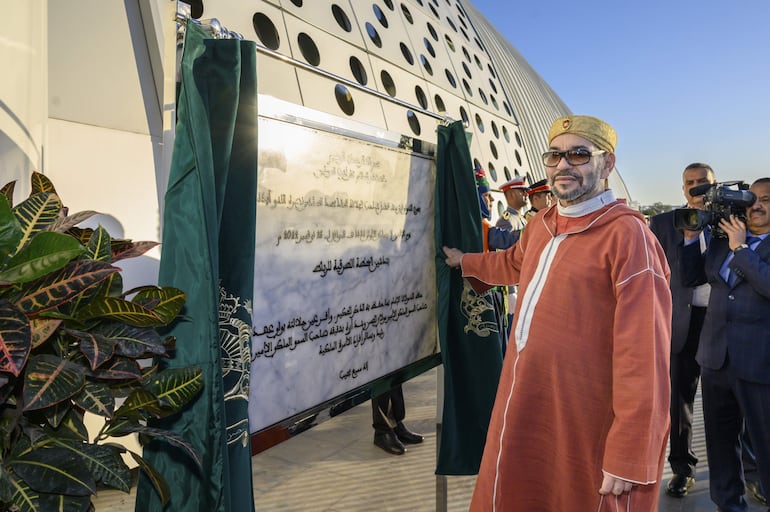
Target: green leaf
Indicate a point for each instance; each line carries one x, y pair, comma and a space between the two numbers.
24, 497
70, 425
119, 368
175, 387
121, 310
45, 253
58, 288
35, 214
15, 339
96, 398
161, 486
166, 301
64, 503
42, 329
55, 470
10, 229
167, 436
49, 380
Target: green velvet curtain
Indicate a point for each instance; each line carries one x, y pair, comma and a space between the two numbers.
208, 252
472, 357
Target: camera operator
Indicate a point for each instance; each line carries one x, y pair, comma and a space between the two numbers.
734, 351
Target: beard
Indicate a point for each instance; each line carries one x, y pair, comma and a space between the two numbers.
586, 184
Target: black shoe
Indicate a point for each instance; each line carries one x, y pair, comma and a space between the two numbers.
679, 485
405, 436
754, 490
388, 442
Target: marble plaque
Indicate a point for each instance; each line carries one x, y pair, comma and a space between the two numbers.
344, 289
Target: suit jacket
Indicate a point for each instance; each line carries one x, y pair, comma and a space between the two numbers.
737, 322
662, 226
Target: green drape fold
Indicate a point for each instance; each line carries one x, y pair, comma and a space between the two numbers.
470, 345
207, 250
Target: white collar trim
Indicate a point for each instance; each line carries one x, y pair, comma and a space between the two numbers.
586, 207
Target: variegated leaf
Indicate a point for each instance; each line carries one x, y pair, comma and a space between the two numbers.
7, 190
64, 224
121, 310
160, 485
59, 288
41, 183
133, 342
95, 347
175, 387
119, 368
99, 245
49, 380
124, 249
42, 329
96, 398
166, 301
35, 214
15, 339
140, 405
107, 465
10, 229
55, 470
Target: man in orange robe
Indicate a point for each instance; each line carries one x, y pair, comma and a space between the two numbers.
581, 416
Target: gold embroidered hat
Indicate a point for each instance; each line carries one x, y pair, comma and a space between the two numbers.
588, 127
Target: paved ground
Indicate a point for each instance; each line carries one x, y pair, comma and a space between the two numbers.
334, 467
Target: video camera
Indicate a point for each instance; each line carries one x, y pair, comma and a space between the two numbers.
720, 202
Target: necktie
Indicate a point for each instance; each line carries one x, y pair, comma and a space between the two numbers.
751, 240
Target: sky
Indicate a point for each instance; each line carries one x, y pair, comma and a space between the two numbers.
681, 81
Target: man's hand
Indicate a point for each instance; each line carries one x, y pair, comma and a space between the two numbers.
453, 256
614, 485
735, 230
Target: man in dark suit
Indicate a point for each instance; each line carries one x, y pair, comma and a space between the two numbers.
734, 351
689, 309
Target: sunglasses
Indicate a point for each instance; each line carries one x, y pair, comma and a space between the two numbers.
578, 156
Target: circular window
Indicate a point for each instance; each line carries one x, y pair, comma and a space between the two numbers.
389, 4
407, 14
439, 103
433, 10
380, 15
467, 70
449, 42
478, 43
414, 123
298, 3
344, 99
426, 64
494, 102
432, 31
476, 163
493, 149
462, 21
420, 95
309, 49
493, 173
507, 173
466, 54
493, 86
495, 130
429, 47
506, 135
507, 108
407, 54
420, 2
358, 70
388, 83
517, 155
464, 116
491, 71
483, 96
451, 24
478, 62
467, 87
465, 34
266, 31
451, 78
342, 19
479, 123
518, 139
373, 35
